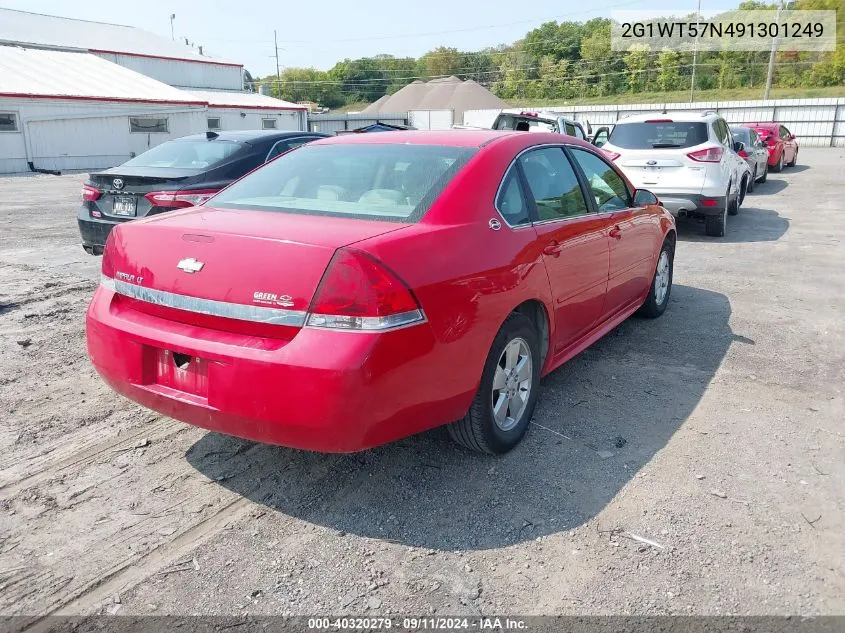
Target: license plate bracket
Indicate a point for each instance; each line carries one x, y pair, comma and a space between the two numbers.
182, 372
124, 205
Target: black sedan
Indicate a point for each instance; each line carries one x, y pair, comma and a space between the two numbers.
180, 173
755, 154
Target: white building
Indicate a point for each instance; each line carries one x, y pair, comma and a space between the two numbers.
76, 94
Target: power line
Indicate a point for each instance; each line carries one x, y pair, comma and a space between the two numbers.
371, 82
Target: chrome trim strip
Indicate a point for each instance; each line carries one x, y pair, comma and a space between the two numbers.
239, 311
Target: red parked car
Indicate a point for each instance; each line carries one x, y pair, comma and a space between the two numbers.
367, 287
781, 144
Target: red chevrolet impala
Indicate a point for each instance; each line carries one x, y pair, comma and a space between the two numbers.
363, 288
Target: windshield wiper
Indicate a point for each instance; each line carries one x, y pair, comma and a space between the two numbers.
664, 145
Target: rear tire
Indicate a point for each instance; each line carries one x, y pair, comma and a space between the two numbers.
716, 225
740, 197
661, 284
480, 429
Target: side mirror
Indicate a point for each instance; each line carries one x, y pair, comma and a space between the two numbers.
644, 198
739, 146
791, 137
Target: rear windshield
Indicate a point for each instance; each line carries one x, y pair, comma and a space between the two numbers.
742, 134
380, 182
186, 154
525, 123
658, 135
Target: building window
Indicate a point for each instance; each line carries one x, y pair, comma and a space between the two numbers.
145, 125
8, 122
268, 124
213, 123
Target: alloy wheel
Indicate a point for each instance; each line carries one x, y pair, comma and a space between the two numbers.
512, 384
661, 281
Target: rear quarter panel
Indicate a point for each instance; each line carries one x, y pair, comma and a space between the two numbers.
467, 277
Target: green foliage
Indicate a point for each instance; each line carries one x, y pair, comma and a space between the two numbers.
570, 61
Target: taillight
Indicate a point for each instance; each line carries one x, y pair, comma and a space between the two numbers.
107, 265
359, 293
89, 193
179, 199
708, 155
611, 155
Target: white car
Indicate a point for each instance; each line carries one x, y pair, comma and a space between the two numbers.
688, 160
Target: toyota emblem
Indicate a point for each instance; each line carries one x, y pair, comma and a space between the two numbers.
117, 183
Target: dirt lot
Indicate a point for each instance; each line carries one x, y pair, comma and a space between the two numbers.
716, 432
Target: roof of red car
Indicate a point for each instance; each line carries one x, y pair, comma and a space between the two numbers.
454, 138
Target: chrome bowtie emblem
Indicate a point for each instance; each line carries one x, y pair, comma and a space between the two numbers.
190, 265
651, 162
494, 224
117, 183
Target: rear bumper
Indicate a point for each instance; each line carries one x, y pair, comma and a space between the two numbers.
690, 204
321, 390
94, 231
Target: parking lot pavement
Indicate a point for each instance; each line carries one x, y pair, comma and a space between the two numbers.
714, 432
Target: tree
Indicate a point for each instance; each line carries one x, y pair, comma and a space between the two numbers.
442, 62
668, 73
637, 63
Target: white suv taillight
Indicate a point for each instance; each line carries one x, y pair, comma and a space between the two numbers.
708, 154
359, 293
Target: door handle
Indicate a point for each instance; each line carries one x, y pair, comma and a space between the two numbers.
615, 232
552, 249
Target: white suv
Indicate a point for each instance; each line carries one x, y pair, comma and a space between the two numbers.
688, 159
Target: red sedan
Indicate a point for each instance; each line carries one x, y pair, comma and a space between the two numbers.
363, 288
781, 144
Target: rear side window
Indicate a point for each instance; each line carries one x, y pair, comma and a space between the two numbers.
654, 135
380, 181
607, 187
186, 154
511, 202
553, 184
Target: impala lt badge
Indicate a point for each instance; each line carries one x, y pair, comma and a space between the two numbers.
190, 265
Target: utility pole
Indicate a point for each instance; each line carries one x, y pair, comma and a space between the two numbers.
172, 17
694, 56
276, 44
772, 57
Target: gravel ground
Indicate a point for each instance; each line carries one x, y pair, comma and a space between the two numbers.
694, 464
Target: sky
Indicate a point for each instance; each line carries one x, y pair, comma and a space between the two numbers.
320, 33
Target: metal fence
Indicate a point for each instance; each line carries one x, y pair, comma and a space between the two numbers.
817, 122
334, 123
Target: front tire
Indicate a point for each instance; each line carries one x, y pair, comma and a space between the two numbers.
750, 186
779, 166
794, 160
504, 403
661, 284
765, 173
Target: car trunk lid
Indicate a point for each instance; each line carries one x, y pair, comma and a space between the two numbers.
248, 271
122, 189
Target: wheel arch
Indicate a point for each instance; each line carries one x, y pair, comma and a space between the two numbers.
536, 311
